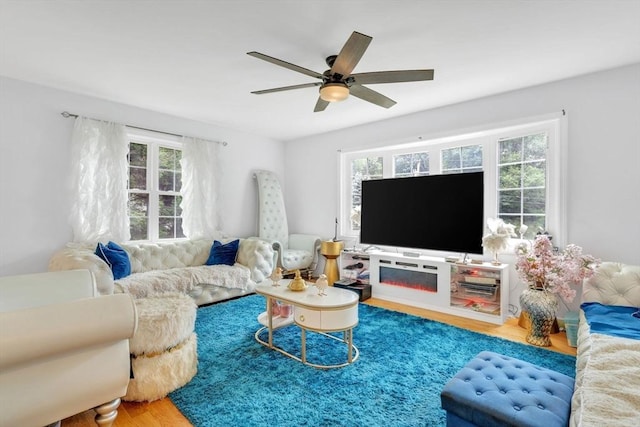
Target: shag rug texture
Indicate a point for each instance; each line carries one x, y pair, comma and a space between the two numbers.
404, 363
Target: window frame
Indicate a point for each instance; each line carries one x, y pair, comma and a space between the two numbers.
154, 141
555, 180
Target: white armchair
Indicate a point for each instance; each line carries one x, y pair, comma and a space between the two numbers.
63, 349
293, 251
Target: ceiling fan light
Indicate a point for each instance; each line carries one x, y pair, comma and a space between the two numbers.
334, 92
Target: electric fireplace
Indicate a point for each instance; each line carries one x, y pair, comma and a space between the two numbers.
411, 278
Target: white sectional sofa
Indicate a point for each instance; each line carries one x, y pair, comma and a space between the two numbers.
607, 388
177, 266
63, 350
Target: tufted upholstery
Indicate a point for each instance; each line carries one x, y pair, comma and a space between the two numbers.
614, 284
80, 256
253, 254
497, 390
607, 380
295, 251
257, 256
272, 221
161, 256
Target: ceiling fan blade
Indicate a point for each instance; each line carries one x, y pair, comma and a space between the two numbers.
285, 64
371, 96
350, 54
281, 89
392, 76
321, 105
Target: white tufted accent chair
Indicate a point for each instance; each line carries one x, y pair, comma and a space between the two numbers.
293, 251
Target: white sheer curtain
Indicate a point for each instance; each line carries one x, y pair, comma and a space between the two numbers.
99, 181
200, 188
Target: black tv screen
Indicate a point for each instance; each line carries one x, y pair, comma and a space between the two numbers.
437, 212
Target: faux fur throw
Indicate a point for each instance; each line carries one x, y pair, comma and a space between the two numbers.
610, 383
184, 279
164, 321
157, 376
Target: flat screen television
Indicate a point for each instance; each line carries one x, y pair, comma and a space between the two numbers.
436, 212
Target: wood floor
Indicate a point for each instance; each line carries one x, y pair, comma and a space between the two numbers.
162, 413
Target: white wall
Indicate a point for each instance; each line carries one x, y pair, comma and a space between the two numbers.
34, 165
603, 165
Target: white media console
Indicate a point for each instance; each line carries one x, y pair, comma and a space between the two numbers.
476, 291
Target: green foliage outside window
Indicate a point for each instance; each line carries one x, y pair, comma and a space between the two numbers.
412, 164
462, 159
166, 191
516, 165
362, 169
522, 182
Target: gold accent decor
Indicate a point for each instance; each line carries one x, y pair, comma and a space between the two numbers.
331, 250
525, 322
298, 283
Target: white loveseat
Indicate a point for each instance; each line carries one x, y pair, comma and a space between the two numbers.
177, 266
607, 388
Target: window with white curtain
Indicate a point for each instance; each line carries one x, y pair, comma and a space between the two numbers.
521, 162
154, 184
131, 183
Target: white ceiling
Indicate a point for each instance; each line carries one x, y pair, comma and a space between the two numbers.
188, 58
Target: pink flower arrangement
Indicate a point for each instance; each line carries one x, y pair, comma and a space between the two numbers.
543, 268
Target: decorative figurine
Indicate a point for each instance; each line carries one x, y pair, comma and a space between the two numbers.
276, 276
322, 284
297, 283
498, 237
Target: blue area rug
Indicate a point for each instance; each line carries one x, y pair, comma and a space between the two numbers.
404, 363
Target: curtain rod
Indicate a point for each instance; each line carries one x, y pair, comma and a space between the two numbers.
67, 114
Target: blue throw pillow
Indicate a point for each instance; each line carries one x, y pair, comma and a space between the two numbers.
117, 259
223, 254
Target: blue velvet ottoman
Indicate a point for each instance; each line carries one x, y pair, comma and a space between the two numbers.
496, 390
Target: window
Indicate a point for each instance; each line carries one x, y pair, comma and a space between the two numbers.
138, 192
169, 184
522, 181
155, 180
360, 169
521, 163
412, 164
462, 159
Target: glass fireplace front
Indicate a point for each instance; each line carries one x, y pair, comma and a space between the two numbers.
412, 279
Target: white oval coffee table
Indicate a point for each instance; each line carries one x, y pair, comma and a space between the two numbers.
337, 311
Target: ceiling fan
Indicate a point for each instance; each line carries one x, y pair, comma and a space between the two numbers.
337, 83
